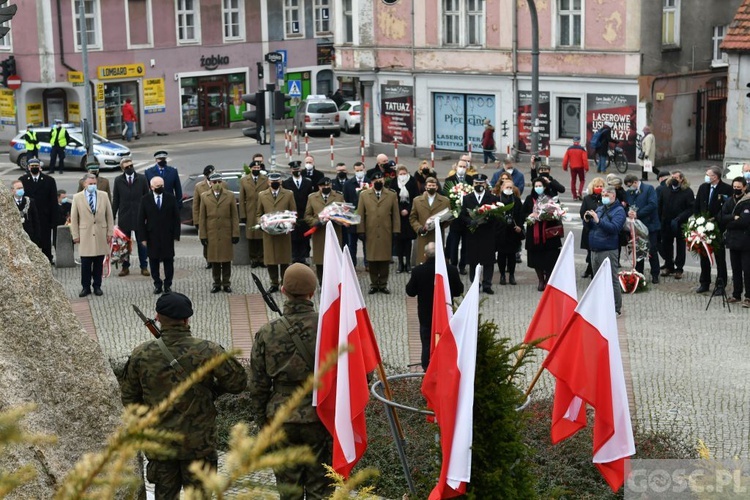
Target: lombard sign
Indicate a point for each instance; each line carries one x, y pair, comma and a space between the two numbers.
121, 71
213, 62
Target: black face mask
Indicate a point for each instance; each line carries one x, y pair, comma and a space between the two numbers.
378, 185
129, 171
162, 163
342, 175
34, 170
432, 190
425, 171
256, 172
739, 192
275, 185
296, 173
479, 189
159, 190
326, 190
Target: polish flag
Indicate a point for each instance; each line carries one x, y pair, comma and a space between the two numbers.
448, 387
442, 300
587, 360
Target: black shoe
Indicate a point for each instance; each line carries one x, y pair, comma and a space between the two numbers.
98, 291
84, 292
407, 268
462, 271
655, 279
228, 289
273, 289
208, 265
373, 290
512, 279
157, 289
384, 289
518, 258
216, 289
254, 264
701, 289
489, 291
400, 269
502, 279
540, 287
167, 289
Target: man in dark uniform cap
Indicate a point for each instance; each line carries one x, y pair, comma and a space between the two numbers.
277, 249
148, 378
169, 174
301, 187
317, 202
200, 188
480, 238
219, 229
277, 368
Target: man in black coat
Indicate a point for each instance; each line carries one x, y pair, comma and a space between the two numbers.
480, 237
312, 173
422, 285
352, 188
43, 190
158, 229
457, 231
301, 188
341, 177
676, 204
29, 217
710, 198
129, 190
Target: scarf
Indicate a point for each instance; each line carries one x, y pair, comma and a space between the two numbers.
403, 193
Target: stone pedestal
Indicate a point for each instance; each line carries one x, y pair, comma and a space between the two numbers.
241, 249
64, 248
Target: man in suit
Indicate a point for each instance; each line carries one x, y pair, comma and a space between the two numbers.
277, 249
352, 189
337, 184
200, 188
315, 204
158, 227
480, 238
311, 173
457, 232
168, 174
250, 187
425, 206
710, 197
43, 190
29, 216
130, 188
644, 206
92, 226
422, 286
301, 189
102, 183
219, 229
380, 219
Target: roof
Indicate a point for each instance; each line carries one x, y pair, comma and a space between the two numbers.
738, 35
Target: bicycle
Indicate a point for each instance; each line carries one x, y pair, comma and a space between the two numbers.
617, 156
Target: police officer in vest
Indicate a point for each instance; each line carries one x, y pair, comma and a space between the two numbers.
32, 143
58, 138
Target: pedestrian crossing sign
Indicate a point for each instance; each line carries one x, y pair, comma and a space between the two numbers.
295, 88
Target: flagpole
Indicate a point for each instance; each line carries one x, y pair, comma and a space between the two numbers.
389, 395
534, 380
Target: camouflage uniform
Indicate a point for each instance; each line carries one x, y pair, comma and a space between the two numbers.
148, 379
277, 369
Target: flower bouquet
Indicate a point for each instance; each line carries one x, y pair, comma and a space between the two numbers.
632, 281
546, 209
456, 192
484, 213
343, 214
637, 247
277, 223
444, 215
702, 235
365, 185
119, 250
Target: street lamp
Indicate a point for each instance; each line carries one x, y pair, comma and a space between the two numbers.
534, 78
87, 121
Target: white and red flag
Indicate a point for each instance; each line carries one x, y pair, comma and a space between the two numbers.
448, 387
442, 299
343, 392
586, 359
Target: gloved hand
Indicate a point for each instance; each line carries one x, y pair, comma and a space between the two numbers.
235, 240
473, 223
675, 226
196, 227
319, 224
204, 242
243, 221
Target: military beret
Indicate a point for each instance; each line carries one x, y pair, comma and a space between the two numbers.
480, 178
391, 163
377, 175
324, 181
208, 170
274, 176
295, 164
299, 280
33, 161
256, 163
174, 305
216, 176
160, 154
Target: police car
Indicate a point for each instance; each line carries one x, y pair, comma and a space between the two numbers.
107, 152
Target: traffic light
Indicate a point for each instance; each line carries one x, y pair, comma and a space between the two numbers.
6, 14
280, 109
257, 115
260, 70
8, 69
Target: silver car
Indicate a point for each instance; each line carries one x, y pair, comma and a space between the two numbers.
317, 114
108, 153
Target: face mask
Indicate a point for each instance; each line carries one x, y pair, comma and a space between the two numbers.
256, 171
539, 190
341, 175
326, 190
746, 175
403, 178
479, 189
507, 192
432, 190
597, 190
509, 170
675, 187
606, 201
309, 166
427, 171
378, 185
707, 179
34, 170
65, 200
91, 188
159, 190
359, 175
275, 185
19, 193
162, 163
129, 171
737, 192
217, 188
296, 173
460, 171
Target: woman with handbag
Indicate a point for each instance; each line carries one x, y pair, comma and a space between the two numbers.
543, 234
509, 231
647, 156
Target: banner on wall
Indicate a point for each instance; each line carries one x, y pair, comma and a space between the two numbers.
7, 107
74, 112
154, 100
34, 113
459, 119
397, 113
524, 121
621, 110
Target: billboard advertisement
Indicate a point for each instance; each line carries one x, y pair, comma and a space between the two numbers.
397, 113
524, 121
459, 119
621, 111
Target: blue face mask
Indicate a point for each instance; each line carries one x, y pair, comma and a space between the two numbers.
539, 190
707, 179
746, 175
606, 201
91, 188
19, 193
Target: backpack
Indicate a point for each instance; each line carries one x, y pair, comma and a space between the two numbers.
596, 139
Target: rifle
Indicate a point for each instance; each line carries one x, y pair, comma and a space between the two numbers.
150, 323
267, 297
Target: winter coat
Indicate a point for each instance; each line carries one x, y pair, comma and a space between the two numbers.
479, 243
675, 207
159, 227
508, 238
648, 146
590, 202
219, 223
644, 198
315, 205
94, 230
249, 191
407, 233
420, 212
127, 201
380, 220
735, 217
277, 249
605, 235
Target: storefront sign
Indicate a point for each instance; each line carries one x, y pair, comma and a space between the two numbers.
397, 113
7, 107
74, 112
154, 100
34, 113
459, 119
75, 77
524, 121
121, 71
213, 62
618, 109
100, 93
325, 54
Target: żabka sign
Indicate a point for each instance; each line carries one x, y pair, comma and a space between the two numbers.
213, 62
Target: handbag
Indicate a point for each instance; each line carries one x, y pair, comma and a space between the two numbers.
642, 155
553, 231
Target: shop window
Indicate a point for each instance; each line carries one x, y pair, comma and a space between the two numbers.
322, 10
569, 23
569, 117
6, 42
463, 22
670, 23
234, 16
293, 19
188, 21
139, 24
114, 97
91, 23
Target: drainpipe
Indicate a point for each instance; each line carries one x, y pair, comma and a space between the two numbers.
514, 82
60, 39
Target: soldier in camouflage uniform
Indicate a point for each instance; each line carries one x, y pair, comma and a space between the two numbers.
278, 367
148, 379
